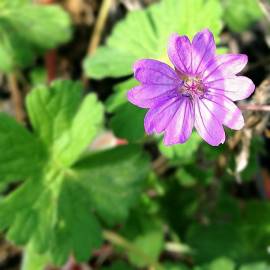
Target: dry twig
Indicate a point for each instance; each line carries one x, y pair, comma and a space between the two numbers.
16, 97
101, 20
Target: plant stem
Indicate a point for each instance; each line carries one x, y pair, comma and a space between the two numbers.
254, 107
96, 36
16, 97
177, 248
50, 56
47, 1
117, 239
50, 62
101, 20
265, 6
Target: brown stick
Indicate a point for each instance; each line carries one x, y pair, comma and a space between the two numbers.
96, 36
101, 20
50, 62
255, 107
16, 97
46, 1
50, 56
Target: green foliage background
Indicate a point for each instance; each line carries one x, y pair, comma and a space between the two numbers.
59, 197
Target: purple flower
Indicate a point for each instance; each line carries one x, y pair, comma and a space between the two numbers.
199, 91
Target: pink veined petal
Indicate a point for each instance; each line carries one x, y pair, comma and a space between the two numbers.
147, 96
157, 118
203, 50
179, 52
181, 125
235, 88
225, 111
154, 72
225, 65
207, 125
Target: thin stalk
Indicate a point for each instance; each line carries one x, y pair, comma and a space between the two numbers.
47, 1
101, 20
254, 107
16, 97
265, 6
50, 63
117, 239
50, 56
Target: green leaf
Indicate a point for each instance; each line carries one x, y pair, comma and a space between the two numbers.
144, 34
113, 175
183, 152
229, 234
145, 233
171, 266
60, 229
76, 229
185, 178
14, 51
33, 261
38, 76
203, 175
239, 15
68, 131
115, 62
119, 97
255, 266
21, 152
222, 263
216, 240
52, 211
26, 29
128, 122
118, 266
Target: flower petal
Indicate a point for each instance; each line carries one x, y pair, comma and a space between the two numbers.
179, 52
147, 96
225, 111
235, 88
158, 118
154, 72
203, 50
225, 65
207, 125
181, 125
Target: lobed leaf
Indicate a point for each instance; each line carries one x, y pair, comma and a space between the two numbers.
113, 180
145, 33
145, 232
22, 154
239, 15
53, 211
27, 29
182, 152
128, 122
66, 131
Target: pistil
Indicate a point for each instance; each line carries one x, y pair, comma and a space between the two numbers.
192, 87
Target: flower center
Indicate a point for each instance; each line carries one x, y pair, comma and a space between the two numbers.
192, 87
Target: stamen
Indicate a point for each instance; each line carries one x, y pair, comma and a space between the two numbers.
192, 87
